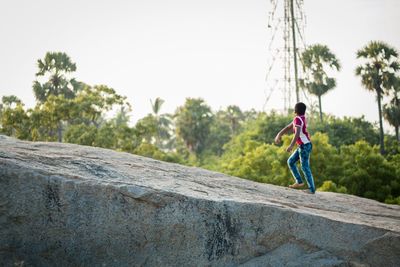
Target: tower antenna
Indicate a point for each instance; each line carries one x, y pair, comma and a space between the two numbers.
286, 24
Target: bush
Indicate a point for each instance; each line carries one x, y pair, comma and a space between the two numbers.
329, 186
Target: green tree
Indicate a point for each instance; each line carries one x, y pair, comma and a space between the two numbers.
55, 66
146, 129
82, 134
10, 100
329, 186
366, 172
220, 134
14, 119
316, 59
151, 151
226, 124
47, 118
86, 112
345, 131
391, 112
193, 121
378, 73
234, 116
92, 102
163, 123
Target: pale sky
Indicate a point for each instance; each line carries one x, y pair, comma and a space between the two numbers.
173, 49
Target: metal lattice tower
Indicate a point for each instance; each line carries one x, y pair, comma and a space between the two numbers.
286, 24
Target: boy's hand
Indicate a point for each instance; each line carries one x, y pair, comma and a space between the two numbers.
277, 139
289, 148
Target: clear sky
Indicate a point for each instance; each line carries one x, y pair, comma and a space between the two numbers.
173, 49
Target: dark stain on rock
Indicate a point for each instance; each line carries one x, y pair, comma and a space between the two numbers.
222, 237
95, 169
52, 200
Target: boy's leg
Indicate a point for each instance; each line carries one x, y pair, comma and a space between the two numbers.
292, 166
305, 152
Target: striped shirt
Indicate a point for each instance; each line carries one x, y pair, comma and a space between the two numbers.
304, 137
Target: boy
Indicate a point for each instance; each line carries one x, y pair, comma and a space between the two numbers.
303, 151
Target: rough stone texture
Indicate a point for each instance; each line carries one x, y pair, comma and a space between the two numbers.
70, 205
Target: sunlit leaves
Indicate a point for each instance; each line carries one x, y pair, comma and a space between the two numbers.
193, 121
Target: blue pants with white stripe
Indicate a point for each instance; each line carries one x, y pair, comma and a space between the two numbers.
302, 153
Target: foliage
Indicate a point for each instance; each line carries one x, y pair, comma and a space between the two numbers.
151, 151
14, 119
55, 65
391, 112
193, 121
315, 60
367, 173
226, 124
163, 124
329, 186
345, 131
378, 73
345, 158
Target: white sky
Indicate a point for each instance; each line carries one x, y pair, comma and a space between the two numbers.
173, 49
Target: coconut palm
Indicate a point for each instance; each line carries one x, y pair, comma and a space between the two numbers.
316, 59
163, 122
378, 73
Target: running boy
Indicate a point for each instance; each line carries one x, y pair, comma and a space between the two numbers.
302, 152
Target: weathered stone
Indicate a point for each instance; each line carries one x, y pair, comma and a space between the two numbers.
70, 205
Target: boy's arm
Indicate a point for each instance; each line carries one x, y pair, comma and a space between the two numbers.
296, 135
282, 132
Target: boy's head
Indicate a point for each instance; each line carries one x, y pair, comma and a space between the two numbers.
300, 108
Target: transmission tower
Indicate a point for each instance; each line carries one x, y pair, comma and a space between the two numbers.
286, 24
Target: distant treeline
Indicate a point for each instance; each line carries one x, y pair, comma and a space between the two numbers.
348, 155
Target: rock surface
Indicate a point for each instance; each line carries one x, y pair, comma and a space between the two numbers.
70, 205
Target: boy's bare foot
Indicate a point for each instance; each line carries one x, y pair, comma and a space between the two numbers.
296, 185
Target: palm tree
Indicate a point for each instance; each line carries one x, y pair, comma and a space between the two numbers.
378, 73
392, 112
162, 121
316, 59
56, 65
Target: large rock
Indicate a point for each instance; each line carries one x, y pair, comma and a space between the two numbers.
70, 205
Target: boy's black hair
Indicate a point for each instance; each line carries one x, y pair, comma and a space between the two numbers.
300, 108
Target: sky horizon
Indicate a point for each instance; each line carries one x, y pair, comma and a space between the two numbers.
215, 50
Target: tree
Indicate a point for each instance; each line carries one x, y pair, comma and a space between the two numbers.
316, 59
346, 131
14, 119
367, 173
392, 112
55, 65
193, 121
378, 73
92, 102
146, 129
163, 122
220, 133
47, 118
234, 116
329, 186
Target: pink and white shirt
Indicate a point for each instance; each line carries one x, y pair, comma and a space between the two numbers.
304, 137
